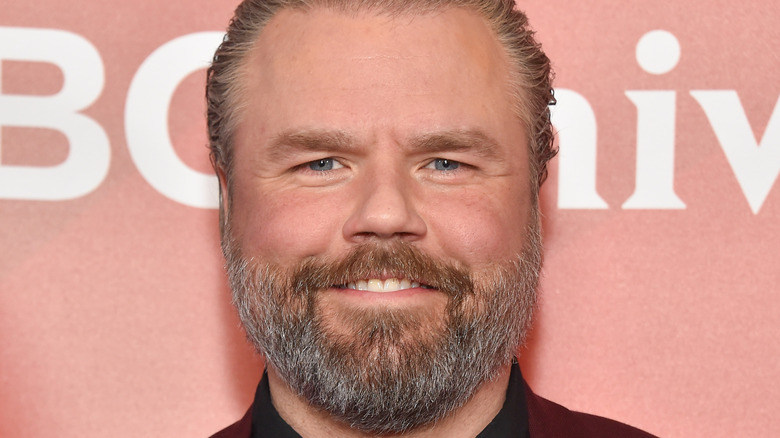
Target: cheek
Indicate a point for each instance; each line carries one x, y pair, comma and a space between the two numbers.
479, 228
284, 227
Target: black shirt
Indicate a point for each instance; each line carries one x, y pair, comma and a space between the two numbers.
511, 421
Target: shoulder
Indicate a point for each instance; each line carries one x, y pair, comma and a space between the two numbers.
547, 419
240, 429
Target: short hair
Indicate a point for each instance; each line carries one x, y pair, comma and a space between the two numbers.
531, 74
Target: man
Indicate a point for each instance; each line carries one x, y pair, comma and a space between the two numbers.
379, 165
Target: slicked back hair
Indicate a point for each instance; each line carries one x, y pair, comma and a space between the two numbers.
530, 72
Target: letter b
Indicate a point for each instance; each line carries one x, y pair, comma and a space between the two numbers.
89, 156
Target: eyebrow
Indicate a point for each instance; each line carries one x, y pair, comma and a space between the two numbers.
457, 141
290, 142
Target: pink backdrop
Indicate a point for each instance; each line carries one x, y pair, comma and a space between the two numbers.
660, 300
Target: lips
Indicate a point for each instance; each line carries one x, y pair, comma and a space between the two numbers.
383, 286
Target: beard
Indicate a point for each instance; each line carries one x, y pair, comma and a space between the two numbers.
386, 371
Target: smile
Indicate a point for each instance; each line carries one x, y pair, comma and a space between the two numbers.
389, 285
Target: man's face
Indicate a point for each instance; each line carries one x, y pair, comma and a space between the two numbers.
384, 154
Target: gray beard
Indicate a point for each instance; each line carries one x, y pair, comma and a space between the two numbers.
391, 370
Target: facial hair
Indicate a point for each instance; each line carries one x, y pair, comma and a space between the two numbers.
390, 370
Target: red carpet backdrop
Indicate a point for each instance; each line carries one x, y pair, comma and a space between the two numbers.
661, 297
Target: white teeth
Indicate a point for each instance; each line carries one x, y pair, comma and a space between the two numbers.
377, 285
391, 284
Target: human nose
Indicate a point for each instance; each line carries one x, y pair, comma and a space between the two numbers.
384, 208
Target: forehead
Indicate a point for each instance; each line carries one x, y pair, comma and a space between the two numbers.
322, 69
308, 34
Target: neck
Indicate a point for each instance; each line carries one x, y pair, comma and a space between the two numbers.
466, 422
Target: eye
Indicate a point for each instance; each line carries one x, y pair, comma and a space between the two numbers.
324, 165
443, 164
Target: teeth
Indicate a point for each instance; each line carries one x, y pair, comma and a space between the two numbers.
377, 285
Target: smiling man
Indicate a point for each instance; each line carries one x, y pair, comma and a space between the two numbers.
379, 164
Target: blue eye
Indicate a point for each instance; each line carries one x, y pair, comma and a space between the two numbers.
323, 165
444, 164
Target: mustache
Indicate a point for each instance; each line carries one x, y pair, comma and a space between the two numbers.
395, 259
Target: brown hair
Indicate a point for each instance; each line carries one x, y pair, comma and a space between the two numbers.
531, 72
